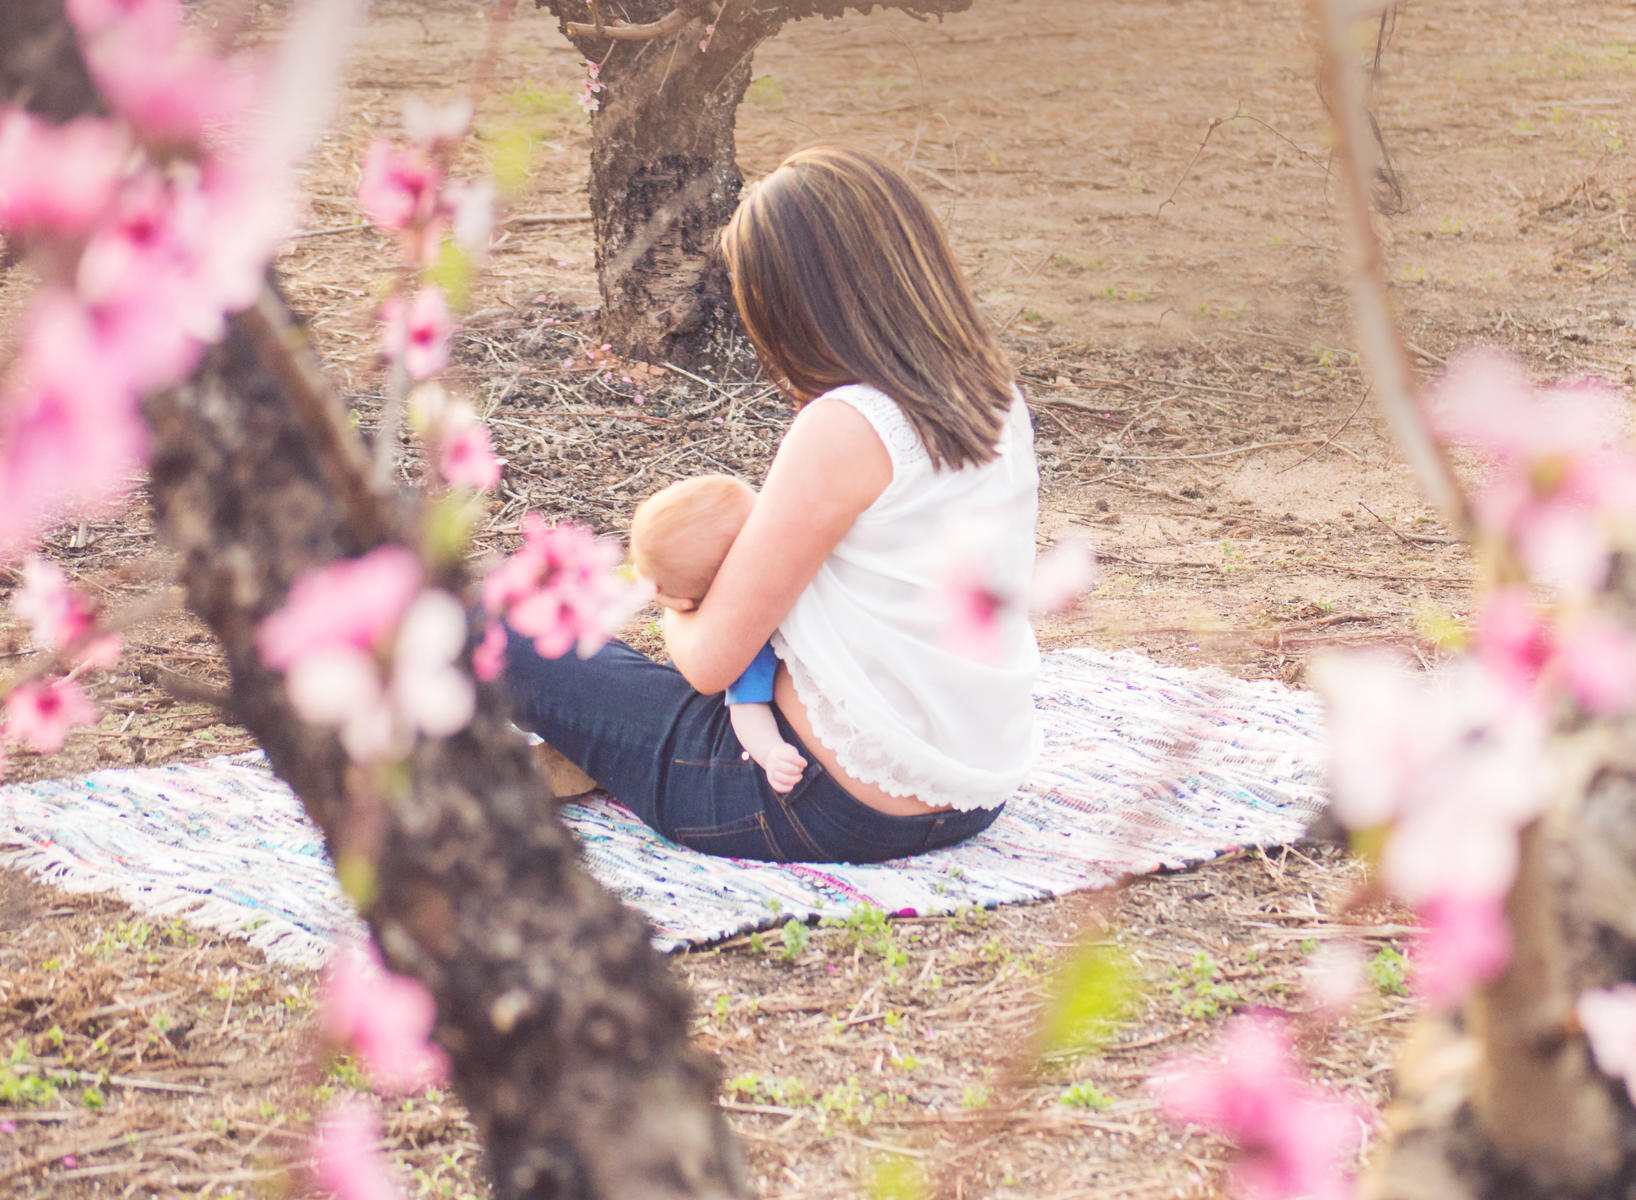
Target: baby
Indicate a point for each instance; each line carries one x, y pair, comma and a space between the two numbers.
679, 537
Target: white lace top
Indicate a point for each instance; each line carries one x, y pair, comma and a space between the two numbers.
900, 703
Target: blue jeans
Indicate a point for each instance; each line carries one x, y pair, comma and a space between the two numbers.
670, 755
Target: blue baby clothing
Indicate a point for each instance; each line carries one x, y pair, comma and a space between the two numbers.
755, 686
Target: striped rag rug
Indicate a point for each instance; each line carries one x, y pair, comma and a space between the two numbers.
1145, 767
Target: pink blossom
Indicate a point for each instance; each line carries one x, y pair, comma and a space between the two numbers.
972, 609
347, 1158
1334, 976
1597, 657
377, 715
354, 603
1294, 1140
71, 432
587, 98
57, 616
169, 85
57, 179
428, 691
386, 1018
1402, 742
41, 715
1608, 1017
54, 612
1062, 575
91, 17
489, 659
1465, 942
560, 590
398, 190
435, 126
1562, 471
467, 458
420, 334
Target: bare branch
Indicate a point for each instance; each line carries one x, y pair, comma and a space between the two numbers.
1382, 344
672, 22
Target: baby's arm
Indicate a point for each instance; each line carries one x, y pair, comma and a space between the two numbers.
757, 731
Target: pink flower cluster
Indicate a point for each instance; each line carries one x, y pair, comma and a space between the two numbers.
367, 650
458, 440
347, 1159
1564, 478
140, 256
1293, 1139
385, 1018
559, 589
589, 97
39, 714
1450, 766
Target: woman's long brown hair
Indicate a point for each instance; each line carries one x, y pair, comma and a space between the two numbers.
843, 275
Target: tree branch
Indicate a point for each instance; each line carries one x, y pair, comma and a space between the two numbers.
1381, 342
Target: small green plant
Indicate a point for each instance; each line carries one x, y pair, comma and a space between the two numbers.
1086, 1095
1389, 972
975, 1096
796, 936
93, 1098
1231, 557
1200, 991
538, 101
758, 944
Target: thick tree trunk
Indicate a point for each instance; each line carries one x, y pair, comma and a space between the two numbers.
567, 1034
664, 179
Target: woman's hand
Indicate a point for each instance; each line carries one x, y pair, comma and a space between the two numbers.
829, 468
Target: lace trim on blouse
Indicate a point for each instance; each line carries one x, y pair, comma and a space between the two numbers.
894, 429
867, 760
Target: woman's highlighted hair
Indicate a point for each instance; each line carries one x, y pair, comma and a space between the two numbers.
843, 275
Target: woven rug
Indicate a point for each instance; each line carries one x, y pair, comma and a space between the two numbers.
1145, 767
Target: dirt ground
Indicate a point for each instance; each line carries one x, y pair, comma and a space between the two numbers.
1176, 308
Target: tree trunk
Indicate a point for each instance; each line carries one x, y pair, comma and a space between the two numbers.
664, 179
567, 1034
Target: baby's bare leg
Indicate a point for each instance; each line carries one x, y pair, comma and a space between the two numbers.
757, 731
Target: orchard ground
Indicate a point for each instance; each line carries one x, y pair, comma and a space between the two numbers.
1178, 315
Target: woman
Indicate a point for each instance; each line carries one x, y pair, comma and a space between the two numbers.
911, 447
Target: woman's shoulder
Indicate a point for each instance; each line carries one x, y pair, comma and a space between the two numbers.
894, 429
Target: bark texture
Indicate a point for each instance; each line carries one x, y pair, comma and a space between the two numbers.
566, 1031
664, 175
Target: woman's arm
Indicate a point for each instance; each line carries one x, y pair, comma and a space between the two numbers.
829, 468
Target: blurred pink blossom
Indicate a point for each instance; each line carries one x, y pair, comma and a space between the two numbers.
1062, 575
41, 714
386, 1018
170, 85
354, 603
347, 1160
467, 458
1608, 1016
379, 711
489, 659
1591, 657
971, 609
1464, 942
57, 179
560, 589
57, 615
1294, 1140
435, 126
418, 334
1334, 976
1562, 469
398, 189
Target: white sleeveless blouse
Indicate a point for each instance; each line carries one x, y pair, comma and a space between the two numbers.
867, 643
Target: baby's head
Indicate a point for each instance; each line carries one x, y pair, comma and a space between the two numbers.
680, 535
